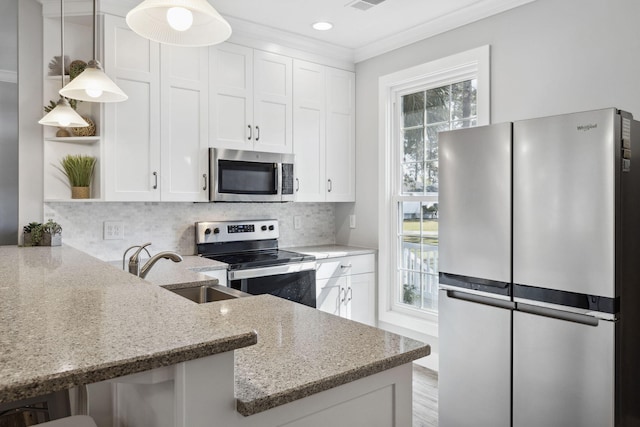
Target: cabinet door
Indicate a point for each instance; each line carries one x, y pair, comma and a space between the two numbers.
184, 128
359, 301
340, 160
273, 102
132, 139
329, 295
231, 97
309, 120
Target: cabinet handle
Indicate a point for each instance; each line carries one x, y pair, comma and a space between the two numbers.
155, 177
250, 132
350, 292
345, 266
297, 185
330, 185
343, 294
204, 176
257, 133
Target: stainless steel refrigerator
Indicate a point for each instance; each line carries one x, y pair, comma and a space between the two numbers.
539, 273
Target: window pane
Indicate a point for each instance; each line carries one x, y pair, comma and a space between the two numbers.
413, 110
438, 104
464, 124
432, 140
410, 213
411, 288
430, 292
414, 145
463, 97
413, 178
431, 178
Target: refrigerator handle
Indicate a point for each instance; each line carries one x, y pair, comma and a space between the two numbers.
479, 299
558, 314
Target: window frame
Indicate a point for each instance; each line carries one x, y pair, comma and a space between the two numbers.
466, 65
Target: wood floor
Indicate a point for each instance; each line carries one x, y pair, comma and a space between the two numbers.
425, 397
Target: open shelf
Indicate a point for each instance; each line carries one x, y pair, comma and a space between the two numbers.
78, 139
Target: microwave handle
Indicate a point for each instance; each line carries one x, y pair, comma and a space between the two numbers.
278, 167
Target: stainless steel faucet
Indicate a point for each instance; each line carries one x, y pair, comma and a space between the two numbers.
134, 261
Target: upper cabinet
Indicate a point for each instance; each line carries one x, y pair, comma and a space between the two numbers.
251, 99
156, 141
324, 132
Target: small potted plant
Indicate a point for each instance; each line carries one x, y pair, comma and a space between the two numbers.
47, 234
79, 171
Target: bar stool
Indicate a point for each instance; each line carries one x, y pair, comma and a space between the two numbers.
74, 421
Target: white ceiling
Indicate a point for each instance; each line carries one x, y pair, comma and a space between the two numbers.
389, 25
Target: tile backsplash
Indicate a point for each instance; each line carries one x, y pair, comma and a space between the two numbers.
170, 226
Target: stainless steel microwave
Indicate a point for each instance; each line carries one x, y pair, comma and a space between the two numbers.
250, 176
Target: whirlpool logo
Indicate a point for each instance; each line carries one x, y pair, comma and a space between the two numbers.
588, 127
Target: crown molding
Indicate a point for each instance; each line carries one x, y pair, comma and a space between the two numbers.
8, 76
274, 40
458, 18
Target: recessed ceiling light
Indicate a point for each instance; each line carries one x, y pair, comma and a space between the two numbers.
322, 26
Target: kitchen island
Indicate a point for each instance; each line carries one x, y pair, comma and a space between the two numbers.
69, 320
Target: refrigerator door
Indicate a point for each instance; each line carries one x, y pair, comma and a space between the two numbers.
563, 369
564, 199
475, 361
475, 203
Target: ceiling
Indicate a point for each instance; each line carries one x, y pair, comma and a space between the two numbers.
386, 26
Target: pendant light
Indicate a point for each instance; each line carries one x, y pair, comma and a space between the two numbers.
93, 84
63, 115
179, 22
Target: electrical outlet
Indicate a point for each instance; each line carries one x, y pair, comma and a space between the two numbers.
352, 221
297, 222
113, 230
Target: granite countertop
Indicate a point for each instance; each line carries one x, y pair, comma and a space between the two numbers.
332, 251
67, 319
92, 322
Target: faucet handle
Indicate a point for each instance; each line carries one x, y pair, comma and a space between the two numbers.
135, 255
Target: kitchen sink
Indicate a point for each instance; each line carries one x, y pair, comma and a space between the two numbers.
208, 293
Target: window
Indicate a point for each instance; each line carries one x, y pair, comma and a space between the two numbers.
422, 114
416, 104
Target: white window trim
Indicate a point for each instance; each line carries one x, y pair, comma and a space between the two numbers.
454, 68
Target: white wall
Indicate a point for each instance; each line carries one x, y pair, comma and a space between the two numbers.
547, 57
30, 145
8, 122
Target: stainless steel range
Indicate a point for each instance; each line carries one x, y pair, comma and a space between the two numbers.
255, 264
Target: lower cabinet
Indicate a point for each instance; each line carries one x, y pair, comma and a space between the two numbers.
345, 286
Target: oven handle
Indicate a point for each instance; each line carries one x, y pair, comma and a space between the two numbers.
273, 270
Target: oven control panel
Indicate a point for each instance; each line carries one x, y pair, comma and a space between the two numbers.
234, 231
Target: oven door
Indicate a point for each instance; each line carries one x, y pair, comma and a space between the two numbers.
295, 282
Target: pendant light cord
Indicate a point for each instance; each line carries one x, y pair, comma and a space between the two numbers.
62, 41
95, 26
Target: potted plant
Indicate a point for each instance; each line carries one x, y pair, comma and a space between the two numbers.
79, 171
47, 234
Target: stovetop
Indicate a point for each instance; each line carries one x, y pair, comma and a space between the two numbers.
252, 259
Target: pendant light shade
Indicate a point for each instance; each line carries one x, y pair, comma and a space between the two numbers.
179, 22
62, 115
93, 85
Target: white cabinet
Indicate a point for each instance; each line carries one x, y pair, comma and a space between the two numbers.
156, 141
324, 132
251, 99
345, 286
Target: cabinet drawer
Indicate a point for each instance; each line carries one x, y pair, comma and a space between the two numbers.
334, 267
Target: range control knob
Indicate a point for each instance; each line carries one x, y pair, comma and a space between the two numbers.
263, 228
207, 231
216, 230
271, 227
